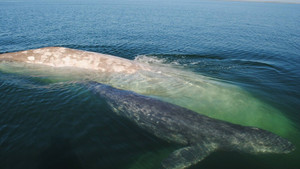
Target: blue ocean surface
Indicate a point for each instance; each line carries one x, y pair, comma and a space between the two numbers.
234, 61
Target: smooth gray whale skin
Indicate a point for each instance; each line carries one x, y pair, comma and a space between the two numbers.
199, 135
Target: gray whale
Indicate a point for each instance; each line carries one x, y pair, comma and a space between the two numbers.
199, 135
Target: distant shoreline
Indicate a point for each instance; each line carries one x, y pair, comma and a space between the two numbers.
260, 1
266, 1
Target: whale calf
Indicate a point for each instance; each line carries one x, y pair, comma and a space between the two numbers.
198, 134
66, 57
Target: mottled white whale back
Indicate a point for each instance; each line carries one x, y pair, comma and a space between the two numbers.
65, 57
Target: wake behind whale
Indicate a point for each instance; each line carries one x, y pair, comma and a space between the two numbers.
199, 135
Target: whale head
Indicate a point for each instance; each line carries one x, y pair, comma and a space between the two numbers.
257, 140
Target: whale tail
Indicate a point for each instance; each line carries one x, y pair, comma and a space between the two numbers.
254, 140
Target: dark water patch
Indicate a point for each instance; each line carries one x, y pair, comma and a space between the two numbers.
229, 160
59, 155
62, 125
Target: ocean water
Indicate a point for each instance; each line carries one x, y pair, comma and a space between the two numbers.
234, 61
